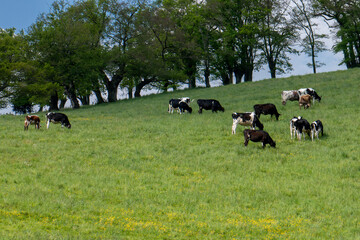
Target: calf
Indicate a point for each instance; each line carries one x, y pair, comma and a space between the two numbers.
305, 100
316, 128
246, 119
258, 136
174, 103
266, 109
209, 104
32, 120
291, 95
292, 126
183, 106
302, 126
311, 92
57, 118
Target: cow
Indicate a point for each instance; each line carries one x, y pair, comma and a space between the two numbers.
302, 126
316, 128
209, 104
305, 100
291, 95
245, 119
258, 136
32, 120
57, 118
292, 126
311, 92
174, 103
267, 108
183, 106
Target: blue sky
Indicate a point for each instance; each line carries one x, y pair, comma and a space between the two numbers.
22, 13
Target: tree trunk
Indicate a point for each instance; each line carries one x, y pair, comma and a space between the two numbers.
140, 86
207, 74
98, 96
112, 86
62, 103
85, 100
130, 92
238, 75
54, 99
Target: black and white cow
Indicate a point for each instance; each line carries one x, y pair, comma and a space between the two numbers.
209, 104
267, 108
292, 126
311, 92
302, 126
289, 95
316, 128
245, 119
258, 136
174, 104
57, 118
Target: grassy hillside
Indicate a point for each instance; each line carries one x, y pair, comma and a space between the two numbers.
129, 170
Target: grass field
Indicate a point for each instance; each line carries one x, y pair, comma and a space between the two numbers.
130, 170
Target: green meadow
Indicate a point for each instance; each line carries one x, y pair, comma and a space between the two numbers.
131, 170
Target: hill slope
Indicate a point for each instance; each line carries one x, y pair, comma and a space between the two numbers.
129, 170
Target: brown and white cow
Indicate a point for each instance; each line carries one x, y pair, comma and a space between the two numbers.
291, 95
311, 92
258, 136
305, 100
32, 120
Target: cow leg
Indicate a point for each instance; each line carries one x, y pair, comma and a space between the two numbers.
48, 124
233, 129
246, 141
312, 135
200, 110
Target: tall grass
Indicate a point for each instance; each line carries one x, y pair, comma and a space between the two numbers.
130, 170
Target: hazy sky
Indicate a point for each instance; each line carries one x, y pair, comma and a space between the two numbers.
22, 13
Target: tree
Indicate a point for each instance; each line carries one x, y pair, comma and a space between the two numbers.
278, 34
236, 41
10, 57
302, 15
347, 16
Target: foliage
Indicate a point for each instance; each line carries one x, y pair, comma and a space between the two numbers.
162, 176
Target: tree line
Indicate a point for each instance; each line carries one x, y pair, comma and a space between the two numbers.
97, 46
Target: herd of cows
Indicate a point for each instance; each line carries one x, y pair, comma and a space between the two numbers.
298, 125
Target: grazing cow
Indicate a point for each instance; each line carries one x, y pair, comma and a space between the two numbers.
292, 126
311, 92
175, 103
305, 100
32, 120
302, 126
209, 104
291, 95
57, 118
266, 109
183, 106
316, 128
258, 136
245, 119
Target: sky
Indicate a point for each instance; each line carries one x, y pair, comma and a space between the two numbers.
20, 14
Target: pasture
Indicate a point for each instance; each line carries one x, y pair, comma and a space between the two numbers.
130, 170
